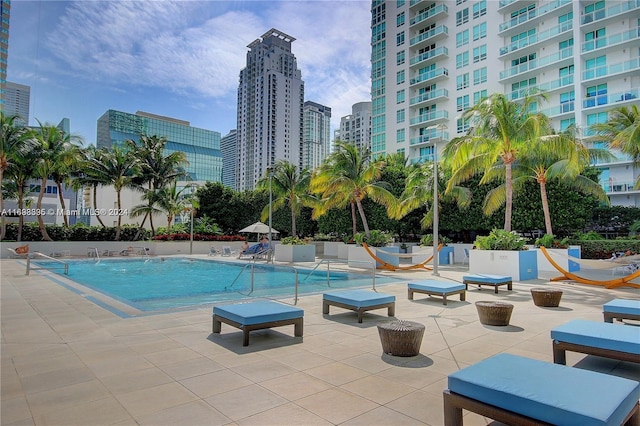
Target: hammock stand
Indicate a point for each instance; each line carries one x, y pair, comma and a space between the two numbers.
390, 267
613, 283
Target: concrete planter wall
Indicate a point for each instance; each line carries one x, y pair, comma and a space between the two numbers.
331, 248
566, 264
295, 253
358, 257
421, 253
520, 265
458, 251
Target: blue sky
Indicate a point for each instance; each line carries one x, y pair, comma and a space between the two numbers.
179, 59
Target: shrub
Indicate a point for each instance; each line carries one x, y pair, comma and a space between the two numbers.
292, 241
375, 239
427, 240
499, 239
549, 241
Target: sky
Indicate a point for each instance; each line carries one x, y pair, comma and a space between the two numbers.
179, 59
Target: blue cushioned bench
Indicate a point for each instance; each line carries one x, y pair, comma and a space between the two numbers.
521, 391
359, 301
486, 279
621, 309
596, 338
437, 288
257, 316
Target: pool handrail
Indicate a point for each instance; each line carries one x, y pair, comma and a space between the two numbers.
328, 262
37, 253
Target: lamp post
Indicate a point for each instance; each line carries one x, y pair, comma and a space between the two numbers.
191, 221
436, 256
270, 171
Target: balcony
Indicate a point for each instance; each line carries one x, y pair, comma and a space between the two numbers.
537, 38
428, 139
438, 33
547, 87
430, 77
421, 159
429, 57
533, 14
429, 16
617, 9
536, 65
628, 67
429, 96
628, 36
606, 99
430, 118
562, 109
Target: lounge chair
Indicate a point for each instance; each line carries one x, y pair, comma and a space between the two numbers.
251, 252
603, 339
214, 251
226, 251
521, 391
621, 309
359, 301
257, 316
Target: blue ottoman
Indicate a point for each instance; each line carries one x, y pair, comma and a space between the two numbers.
517, 390
359, 301
257, 316
621, 309
437, 288
596, 338
486, 279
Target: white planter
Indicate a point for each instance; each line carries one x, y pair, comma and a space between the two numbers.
566, 264
343, 251
359, 258
295, 253
458, 251
331, 248
520, 265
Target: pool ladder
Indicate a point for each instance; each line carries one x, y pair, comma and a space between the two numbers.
64, 265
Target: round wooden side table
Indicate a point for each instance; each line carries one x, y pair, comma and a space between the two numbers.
546, 297
400, 337
494, 313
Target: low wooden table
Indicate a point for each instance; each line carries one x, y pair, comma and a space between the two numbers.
546, 297
494, 313
401, 338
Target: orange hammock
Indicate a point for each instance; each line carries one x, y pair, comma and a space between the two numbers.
613, 283
390, 267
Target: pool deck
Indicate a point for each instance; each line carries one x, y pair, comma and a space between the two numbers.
69, 361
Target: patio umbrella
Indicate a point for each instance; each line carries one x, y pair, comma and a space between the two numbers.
259, 228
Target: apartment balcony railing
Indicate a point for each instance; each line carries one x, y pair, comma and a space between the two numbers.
432, 116
441, 8
429, 96
609, 70
602, 42
534, 13
431, 54
612, 187
430, 75
616, 9
606, 99
441, 30
422, 159
504, 3
537, 38
563, 108
432, 134
536, 64
544, 87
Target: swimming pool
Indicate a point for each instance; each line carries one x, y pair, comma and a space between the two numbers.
160, 284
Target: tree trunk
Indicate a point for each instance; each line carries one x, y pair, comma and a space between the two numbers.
293, 224
64, 208
95, 205
119, 216
365, 224
43, 229
141, 227
3, 223
545, 208
353, 218
508, 184
20, 218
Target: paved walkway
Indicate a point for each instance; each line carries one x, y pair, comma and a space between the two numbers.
68, 361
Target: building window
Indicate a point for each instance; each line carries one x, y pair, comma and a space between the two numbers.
566, 123
522, 60
479, 96
596, 39
459, 2
400, 39
462, 59
479, 53
462, 125
479, 9
480, 76
400, 135
400, 96
400, 77
567, 101
596, 95
479, 31
567, 17
399, 3
462, 81
400, 117
462, 38
565, 44
462, 16
600, 117
523, 11
400, 58
462, 103
596, 67
400, 19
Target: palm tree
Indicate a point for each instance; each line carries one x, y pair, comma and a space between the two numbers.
148, 208
14, 141
95, 174
500, 129
55, 153
289, 187
348, 176
174, 201
21, 171
622, 131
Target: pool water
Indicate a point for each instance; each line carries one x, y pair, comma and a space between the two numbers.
158, 284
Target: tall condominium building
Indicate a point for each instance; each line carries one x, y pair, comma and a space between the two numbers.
5, 8
202, 147
431, 61
356, 127
17, 102
316, 142
229, 146
270, 108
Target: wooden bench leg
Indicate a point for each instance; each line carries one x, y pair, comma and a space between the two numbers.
510, 285
496, 288
444, 299
608, 317
463, 296
325, 307
559, 355
452, 413
360, 312
245, 337
410, 294
298, 328
217, 325
392, 310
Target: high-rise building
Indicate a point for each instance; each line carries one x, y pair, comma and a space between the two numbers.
229, 146
316, 141
355, 128
5, 8
270, 108
431, 61
202, 147
17, 102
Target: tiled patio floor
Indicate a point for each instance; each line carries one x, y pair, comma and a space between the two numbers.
68, 361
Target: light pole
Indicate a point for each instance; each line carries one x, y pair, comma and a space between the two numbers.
191, 221
436, 255
270, 171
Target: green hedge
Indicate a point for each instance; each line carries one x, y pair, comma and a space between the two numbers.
603, 249
31, 232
